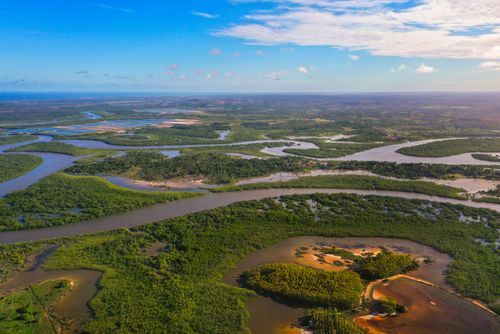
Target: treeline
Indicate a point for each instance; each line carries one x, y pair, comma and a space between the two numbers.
305, 286
216, 167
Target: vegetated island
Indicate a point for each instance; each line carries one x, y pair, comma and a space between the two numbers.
446, 148
15, 165
62, 199
354, 182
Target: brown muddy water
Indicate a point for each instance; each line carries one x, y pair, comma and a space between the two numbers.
430, 310
73, 307
210, 201
270, 317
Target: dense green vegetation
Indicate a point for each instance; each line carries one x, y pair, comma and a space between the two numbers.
306, 286
417, 170
62, 199
27, 311
331, 150
15, 139
486, 157
293, 126
354, 182
55, 147
332, 321
14, 257
385, 264
15, 165
447, 148
180, 289
215, 167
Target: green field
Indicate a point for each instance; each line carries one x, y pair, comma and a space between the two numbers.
63, 199
447, 148
15, 165
27, 311
56, 147
180, 289
354, 182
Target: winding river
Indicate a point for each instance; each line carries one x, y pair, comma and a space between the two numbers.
390, 154
261, 308
51, 164
191, 205
56, 162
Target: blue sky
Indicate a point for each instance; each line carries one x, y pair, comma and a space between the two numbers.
250, 46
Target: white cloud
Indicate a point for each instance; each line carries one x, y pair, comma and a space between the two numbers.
353, 57
215, 52
490, 66
182, 77
424, 69
236, 53
278, 75
303, 69
431, 28
402, 67
205, 15
259, 53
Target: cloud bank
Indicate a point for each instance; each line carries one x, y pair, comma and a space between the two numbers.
458, 29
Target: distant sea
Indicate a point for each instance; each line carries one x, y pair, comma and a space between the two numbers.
42, 96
